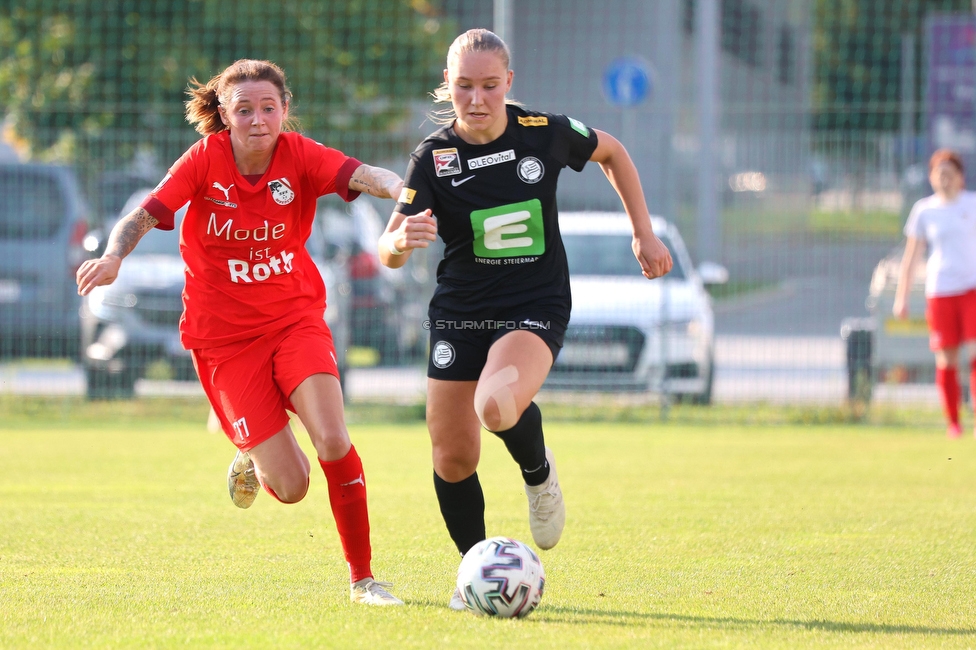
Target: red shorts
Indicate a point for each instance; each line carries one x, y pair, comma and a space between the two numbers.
249, 382
952, 320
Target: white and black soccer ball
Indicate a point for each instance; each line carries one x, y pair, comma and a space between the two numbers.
501, 577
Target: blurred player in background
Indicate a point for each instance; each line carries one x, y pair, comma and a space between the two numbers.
254, 300
946, 223
502, 302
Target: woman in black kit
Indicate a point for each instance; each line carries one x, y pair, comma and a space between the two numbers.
502, 303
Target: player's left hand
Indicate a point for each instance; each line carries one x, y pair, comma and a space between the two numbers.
653, 256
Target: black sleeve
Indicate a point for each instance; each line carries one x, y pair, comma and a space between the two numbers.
572, 142
417, 194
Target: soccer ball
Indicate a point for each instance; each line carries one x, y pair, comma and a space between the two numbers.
501, 577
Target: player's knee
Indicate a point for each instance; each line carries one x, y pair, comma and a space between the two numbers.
455, 465
494, 400
291, 489
496, 415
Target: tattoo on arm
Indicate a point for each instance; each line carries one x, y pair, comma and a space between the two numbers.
375, 181
128, 231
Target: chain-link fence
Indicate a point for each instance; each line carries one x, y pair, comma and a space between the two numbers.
783, 142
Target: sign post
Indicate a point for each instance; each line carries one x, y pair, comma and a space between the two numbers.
627, 82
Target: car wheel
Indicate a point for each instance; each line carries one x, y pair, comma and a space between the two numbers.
102, 384
859, 375
704, 398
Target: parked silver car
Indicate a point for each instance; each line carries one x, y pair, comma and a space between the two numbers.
629, 333
43, 221
133, 323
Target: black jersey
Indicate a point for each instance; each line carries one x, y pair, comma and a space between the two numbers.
495, 206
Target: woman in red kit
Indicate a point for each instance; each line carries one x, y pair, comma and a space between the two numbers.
946, 224
254, 300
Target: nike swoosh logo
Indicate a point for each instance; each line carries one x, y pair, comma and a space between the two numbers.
455, 182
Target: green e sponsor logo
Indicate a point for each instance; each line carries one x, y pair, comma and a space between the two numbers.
509, 230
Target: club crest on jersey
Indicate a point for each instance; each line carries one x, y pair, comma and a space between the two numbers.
281, 191
446, 162
530, 170
443, 354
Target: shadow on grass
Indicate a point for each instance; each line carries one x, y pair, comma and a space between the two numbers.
586, 616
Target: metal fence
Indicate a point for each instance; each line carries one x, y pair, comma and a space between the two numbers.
781, 140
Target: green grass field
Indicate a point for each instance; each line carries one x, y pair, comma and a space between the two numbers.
116, 531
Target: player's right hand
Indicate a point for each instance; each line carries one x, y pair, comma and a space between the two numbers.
97, 272
416, 231
653, 256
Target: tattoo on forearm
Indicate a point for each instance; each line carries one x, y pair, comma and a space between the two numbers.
128, 231
375, 181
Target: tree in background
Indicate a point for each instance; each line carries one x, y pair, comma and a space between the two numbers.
857, 59
93, 81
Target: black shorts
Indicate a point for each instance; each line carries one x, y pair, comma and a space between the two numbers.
459, 343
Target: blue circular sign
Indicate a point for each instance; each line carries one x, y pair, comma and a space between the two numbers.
627, 81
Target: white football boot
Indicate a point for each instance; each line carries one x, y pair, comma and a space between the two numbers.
456, 603
372, 592
242, 482
547, 512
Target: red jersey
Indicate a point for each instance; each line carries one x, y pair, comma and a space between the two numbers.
247, 269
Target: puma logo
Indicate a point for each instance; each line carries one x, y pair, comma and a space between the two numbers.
225, 190
358, 480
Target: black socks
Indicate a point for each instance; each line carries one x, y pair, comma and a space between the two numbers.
463, 503
527, 446
463, 508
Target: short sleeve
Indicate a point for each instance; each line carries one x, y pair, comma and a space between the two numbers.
573, 142
329, 170
343, 176
417, 194
914, 227
179, 185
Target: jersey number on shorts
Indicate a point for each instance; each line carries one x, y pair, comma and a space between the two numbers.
509, 230
240, 428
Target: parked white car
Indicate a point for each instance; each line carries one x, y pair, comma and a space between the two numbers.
627, 332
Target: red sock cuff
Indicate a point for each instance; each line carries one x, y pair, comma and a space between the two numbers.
267, 488
346, 469
359, 572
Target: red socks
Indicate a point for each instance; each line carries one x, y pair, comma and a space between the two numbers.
945, 379
972, 383
347, 494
